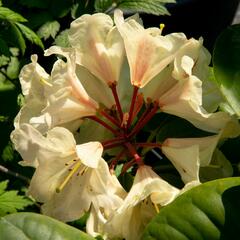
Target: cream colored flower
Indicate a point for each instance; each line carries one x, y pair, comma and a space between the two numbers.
68, 174
98, 45
35, 84
55, 100
148, 193
188, 154
148, 52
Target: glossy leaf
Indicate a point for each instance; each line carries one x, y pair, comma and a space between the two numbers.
210, 211
32, 226
226, 62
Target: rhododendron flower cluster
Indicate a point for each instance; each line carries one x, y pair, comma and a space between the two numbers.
86, 118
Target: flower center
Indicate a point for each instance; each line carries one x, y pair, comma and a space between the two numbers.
126, 126
73, 166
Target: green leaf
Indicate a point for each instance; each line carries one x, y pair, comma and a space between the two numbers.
3, 186
210, 211
10, 201
155, 7
4, 60
49, 29
82, 7
8, 152
175, 127
13, 68
103, 5
62, 39
9, 15
226, 62
30, 35
32, 226
219, 167
18, 37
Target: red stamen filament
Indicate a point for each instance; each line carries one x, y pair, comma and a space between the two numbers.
153, 145
104, 124
131, 111
126, 166
113, 145
113, 87
117, 139
110, 118
144, 121
134, 153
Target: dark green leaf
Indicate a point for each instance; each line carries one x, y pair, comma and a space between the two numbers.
8, 153
37, 19
31, 226
208, 212
35, 3
30, 35
155, 7
9, 15
4, 48
49, 29
103, 5
175, 127
219, 167
126, 180
17, 36
60, 9
82, 7
226, 62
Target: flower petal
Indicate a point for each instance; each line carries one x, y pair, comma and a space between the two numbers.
148, 52
90, 153
99, 45
185, 100
188, 154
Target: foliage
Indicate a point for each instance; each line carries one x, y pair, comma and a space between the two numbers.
10, 201
209, 211
226, 61
150, 6
31, 226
